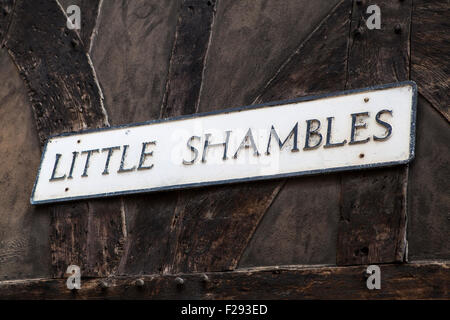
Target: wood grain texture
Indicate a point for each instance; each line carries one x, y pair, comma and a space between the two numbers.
131, 56
65, 96
405, 281
428, 187
189, 51
149, 223
214, 225
380, 56
89, 234
175, 237
250, 41
318, 65
430, 52
24, 229
90, 10
151, 218
52, 60
300, 226
372, 226
6, 7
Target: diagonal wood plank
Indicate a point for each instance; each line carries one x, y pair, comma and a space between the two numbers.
430, 52
251, 40
90, 10
71, 73
65, 96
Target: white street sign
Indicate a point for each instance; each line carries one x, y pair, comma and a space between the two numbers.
350, 130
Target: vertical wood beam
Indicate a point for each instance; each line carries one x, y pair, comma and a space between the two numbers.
187, 62
372, 226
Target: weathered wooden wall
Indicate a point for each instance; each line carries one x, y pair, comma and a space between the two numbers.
141, 60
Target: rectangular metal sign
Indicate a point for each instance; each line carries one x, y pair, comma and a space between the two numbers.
350, 130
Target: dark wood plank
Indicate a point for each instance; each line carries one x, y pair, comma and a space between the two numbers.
6, 7
214, 225
149, 223
63, 90
428, 188
372, 226
90, 10
250, 41
300, 226
131, 55
192, 36
24, 229
398, 281
65, 96
90, 234
430, 52
380, 56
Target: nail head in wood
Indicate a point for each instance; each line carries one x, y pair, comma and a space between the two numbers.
104, 285
139, 283
205, 278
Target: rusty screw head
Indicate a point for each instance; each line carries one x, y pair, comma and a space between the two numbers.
366, 100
